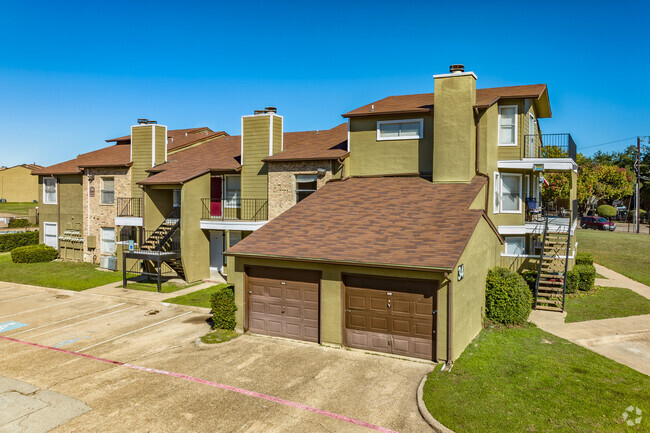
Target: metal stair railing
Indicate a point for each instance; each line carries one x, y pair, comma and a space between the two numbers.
566, 264
541, 260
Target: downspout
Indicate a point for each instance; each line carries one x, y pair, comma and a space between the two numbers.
450, 309
58, 212
477, 160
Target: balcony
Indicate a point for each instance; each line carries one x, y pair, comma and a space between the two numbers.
549, 146
234, 214
561, 214
129, 211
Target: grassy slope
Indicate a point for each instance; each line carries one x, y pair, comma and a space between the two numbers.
605, 302
526, 380
60, 275
17, 208
626, 253
200, 298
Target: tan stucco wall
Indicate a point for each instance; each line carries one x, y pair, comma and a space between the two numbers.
282, 182
96, 214
369, 156
142, 148
157, 205
195, 243
68, 212
18, 185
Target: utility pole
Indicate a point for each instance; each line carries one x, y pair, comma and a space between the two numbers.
637, 169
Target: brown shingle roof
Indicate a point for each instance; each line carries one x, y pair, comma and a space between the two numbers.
179, 138
219, 154
314, 145
118, 155
390, 221
423, 102
170, 133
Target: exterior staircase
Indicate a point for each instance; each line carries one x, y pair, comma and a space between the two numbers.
550, 287
161, 236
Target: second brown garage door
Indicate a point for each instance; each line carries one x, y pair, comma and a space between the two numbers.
390, 315
283, 302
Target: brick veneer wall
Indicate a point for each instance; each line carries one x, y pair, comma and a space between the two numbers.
282, 181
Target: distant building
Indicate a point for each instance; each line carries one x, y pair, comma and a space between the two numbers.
17, 183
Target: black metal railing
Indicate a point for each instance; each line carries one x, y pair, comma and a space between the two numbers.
560, 208
244, 209
167, 244
129, 207
549, 146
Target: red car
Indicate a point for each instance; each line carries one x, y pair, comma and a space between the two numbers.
596, 222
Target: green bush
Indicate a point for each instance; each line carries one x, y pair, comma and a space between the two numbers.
587, 277
223, 308
19, 223
572, 281
530, 277
507, 297
13, 240
606, 211
584, 259
33, 254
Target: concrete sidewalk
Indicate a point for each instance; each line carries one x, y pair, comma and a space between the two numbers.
623, 339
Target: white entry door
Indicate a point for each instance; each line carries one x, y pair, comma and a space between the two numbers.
50, 235
216, 251
532, 136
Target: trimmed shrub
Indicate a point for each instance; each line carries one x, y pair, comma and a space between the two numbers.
606, 211
507, 297
33, 254
584, 259
223, 308
530, 277
572, 280
586, 277
19, 223
13, 240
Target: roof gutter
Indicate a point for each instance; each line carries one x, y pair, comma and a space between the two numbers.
339, 262
450, 322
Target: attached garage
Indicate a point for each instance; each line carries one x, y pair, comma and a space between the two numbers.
283, 302
391, 315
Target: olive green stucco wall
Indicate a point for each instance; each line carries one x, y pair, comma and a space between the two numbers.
18, 185
256, 141
454, 149
157, 205
68, 212
195, 243
142, 145
368, 156
277, 133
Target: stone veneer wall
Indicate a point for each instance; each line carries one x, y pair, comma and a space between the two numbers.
102, 215
282, 182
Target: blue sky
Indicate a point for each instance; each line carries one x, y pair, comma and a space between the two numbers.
73, 74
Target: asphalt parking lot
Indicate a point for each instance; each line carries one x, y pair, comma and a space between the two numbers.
116, 366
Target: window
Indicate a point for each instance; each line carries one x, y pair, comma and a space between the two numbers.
497, 192
233, 191
399, 129
108, 240
305, 185
510, 197
50, 235
108, 190
508, 125
176, 198
234, 237
515, 245
49, 190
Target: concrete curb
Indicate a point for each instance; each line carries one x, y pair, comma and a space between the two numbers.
434, 423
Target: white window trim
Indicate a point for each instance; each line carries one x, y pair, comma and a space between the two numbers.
224, 195
101, 240
56, 236
516, 143
101, 190
496, 197
504, 254
295, 185
501, 189
56, 191
406, 137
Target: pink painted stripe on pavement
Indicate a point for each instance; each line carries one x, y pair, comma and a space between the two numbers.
213, 384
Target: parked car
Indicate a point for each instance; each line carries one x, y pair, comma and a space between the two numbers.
596, 222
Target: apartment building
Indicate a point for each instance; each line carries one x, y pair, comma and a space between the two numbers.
392, 254
17, 184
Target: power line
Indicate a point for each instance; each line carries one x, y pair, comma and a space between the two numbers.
609, 142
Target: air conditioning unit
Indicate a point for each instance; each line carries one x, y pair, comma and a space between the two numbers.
108, 262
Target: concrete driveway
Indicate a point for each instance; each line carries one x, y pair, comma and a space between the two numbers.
140, 368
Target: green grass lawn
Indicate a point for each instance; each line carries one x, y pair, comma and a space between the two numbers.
603, 303
17, 208
60, 275
526, 380
200, 298
153, 287
626, 253
219, 336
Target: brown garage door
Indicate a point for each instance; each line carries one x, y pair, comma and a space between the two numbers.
390, 315
283, 302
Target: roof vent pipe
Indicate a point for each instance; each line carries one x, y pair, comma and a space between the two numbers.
457, 69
